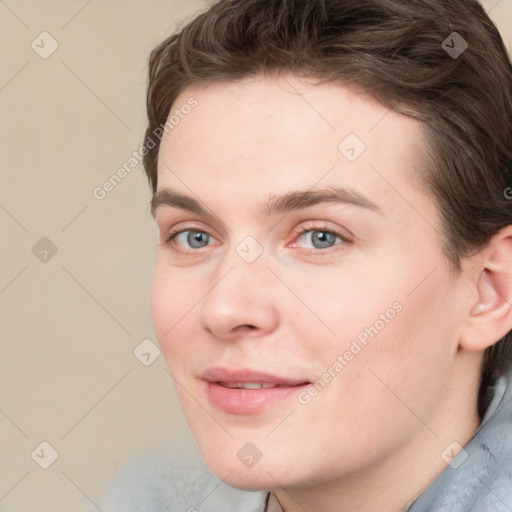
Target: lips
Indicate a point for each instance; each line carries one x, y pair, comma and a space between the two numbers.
232, 377
248, 391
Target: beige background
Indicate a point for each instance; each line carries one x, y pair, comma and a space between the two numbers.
71, 322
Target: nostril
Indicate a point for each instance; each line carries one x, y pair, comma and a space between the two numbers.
245, 327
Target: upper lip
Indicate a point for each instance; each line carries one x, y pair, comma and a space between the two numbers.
226, 375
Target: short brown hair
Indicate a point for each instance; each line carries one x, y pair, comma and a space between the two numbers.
399, 52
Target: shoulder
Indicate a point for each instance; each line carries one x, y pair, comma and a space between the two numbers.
157, 483
480, 477
166, 483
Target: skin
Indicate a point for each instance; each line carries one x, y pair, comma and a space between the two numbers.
373, 438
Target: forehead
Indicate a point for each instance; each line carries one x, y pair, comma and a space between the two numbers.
259, 135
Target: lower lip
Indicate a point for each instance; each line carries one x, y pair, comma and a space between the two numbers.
249, 401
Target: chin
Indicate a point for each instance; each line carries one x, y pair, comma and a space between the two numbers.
263, 475
249, 480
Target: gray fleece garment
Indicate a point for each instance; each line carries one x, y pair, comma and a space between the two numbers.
479, 479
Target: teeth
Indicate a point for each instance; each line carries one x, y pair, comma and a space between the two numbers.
252, 385
247, 385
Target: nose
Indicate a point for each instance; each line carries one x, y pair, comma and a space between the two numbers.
241, 300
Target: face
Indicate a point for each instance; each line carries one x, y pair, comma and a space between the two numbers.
300, 292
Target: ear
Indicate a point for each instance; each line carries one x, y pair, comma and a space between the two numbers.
490, 316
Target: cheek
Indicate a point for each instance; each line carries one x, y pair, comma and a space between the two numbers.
375, 364
337, 306
173, 298
410, 360
405, 333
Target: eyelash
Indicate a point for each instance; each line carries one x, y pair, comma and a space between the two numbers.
169, 240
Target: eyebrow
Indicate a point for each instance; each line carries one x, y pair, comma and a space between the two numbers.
293, 200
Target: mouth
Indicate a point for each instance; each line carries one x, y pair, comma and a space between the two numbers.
248, 391
250, 385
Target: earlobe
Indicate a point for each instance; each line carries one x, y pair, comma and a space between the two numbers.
490, 315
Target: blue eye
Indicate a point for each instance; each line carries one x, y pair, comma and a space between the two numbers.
195, 239
320, 239
315, 239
